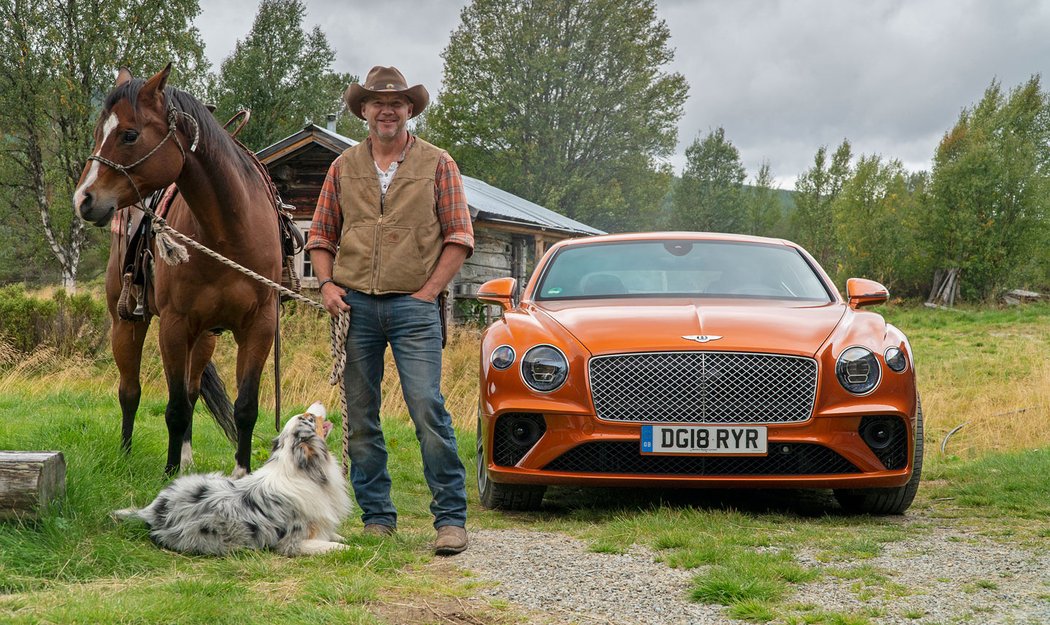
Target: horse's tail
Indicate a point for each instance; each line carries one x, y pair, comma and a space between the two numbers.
213, 392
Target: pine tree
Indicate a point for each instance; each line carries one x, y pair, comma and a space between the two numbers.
710, 195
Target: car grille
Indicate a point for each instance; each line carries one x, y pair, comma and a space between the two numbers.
624, 457
703, 387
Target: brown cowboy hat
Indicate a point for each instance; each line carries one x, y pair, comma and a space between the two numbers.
385, 80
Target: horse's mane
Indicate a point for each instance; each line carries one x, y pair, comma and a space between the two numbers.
214, 140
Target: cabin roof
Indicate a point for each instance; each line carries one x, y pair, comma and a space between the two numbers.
486, 202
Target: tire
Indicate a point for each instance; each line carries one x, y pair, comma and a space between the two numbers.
503, 496
885, 501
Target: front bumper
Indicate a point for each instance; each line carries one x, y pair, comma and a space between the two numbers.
826, 451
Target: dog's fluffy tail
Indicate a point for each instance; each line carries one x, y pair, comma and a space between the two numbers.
120, 516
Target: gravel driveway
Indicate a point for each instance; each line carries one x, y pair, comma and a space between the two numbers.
950, 577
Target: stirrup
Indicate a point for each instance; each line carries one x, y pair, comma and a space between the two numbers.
140, 301
122, 301
289, 278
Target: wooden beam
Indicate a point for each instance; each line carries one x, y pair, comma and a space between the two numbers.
276, 156
557, 235
29, 481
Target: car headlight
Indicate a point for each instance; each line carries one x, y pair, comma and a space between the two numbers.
544, 368
895, 359
502, 357
858, 370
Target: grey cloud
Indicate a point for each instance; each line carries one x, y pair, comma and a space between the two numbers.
783, 77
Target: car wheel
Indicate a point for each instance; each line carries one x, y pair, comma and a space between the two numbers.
887, 500
503, 496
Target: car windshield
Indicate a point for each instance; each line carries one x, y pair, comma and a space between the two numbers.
680, 268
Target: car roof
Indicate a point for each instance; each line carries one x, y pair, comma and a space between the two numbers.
662, 236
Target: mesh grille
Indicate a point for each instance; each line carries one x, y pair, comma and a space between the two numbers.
703, 387
625, 457
895, 456
506, 451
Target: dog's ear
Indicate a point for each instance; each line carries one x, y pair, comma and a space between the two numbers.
310, 456
304, 454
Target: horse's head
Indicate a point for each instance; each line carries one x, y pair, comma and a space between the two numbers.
138, 148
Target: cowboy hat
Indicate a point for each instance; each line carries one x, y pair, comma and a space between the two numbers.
385, 80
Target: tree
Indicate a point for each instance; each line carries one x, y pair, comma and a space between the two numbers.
761, 204
813, 224
989, 187
57, 60
279, 72
710, 195
564, 102
874, 216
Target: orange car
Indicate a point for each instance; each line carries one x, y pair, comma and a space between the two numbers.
694, 359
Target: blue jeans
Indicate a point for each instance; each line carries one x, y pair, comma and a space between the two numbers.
412, 328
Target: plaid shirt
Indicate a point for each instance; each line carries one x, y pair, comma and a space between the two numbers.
449, 197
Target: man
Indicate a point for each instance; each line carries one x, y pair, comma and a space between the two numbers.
390, 231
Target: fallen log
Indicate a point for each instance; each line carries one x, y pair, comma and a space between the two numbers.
1021, 296
29, 481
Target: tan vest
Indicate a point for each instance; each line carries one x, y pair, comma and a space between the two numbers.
388, 245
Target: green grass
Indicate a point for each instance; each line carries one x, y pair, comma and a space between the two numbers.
1012, 484
752, 610
75, 565
755, 577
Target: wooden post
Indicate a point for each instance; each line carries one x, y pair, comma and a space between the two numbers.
541, 248
29, 481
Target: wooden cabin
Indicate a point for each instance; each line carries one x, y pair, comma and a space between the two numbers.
510, 233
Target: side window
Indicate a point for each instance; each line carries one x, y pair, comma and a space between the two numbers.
303, 266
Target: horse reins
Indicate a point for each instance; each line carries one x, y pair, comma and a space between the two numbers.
339, 325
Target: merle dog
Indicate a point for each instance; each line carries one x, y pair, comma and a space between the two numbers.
293, 504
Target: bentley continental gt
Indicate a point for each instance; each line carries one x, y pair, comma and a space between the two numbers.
694, 360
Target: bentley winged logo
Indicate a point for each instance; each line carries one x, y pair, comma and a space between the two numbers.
700, 338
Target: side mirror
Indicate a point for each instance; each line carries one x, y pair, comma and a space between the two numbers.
499, 292
861, 292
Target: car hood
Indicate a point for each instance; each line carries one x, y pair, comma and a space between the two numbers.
772, 326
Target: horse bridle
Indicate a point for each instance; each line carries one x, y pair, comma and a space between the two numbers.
173, 118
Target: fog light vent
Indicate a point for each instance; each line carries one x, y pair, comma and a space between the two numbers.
515, 434
887, 437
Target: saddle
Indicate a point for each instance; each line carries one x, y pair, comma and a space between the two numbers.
136, 227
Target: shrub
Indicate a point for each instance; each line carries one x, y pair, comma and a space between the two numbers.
71, 324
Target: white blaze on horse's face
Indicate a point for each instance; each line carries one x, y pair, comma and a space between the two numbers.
92, 173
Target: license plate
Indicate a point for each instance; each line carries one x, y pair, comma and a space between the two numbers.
703, 439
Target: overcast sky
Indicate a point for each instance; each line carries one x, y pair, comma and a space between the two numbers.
783, 77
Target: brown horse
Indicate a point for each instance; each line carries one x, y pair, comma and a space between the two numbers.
147, 138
